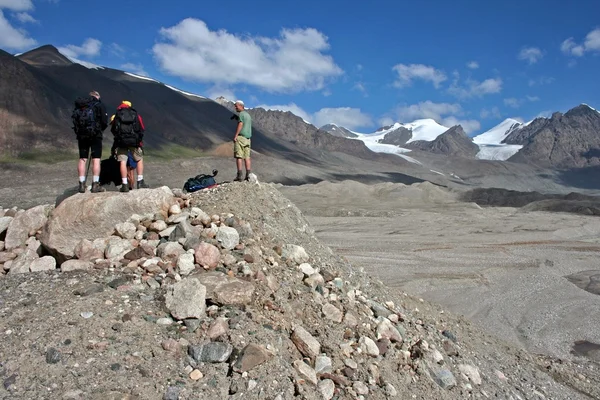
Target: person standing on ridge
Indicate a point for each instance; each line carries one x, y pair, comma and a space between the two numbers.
128, 129
241, 141
89, 121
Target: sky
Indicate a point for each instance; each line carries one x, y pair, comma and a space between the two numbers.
361, 65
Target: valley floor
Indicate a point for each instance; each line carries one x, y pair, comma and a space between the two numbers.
501, 267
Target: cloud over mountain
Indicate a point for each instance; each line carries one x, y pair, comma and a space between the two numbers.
292, 62
11, 37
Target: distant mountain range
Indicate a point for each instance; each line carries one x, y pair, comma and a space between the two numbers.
39, 88
570, 140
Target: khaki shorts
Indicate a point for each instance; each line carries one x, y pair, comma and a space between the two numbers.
136, 152
241, 147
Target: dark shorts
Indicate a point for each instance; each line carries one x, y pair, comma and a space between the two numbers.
95, 144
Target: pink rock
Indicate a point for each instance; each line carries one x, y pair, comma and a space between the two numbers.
207, 255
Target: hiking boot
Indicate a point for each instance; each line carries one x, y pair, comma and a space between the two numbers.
247, 175
124, 188
96, 188
142, 185
81, 187
238, 178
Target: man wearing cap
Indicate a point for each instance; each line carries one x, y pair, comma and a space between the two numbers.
91, 143
128, 128
241, 141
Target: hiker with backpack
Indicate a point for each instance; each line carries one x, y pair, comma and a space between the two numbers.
241, 141
89, 121
128, 130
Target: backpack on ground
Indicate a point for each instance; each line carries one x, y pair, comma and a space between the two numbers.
200, 182
110, 171
84, 119
127, 128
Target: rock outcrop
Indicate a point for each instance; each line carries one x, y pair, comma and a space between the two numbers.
398, 137
570, 140
338, 131
453, 142
95, 216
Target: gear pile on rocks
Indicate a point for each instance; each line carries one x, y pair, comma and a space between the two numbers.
226, 293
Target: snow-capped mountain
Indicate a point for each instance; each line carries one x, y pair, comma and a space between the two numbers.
498, 133
381, 141
490, 142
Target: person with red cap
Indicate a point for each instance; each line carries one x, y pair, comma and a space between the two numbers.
128, 129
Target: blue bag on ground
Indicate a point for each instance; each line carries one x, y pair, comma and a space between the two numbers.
200, 182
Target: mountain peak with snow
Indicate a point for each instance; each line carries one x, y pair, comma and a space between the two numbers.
497, 134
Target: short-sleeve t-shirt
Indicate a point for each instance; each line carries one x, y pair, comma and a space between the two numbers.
246, 120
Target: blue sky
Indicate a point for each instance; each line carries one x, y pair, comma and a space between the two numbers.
356, 64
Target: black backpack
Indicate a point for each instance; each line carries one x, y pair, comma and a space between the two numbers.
127, 128
84, 120
200, 182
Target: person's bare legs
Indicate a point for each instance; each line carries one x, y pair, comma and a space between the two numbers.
81, 166
123, 169
95, 166
238, 164
248, 167
140, 167
81, 173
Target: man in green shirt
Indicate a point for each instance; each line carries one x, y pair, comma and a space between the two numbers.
241, 141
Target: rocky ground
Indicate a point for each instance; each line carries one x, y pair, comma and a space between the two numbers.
227, 293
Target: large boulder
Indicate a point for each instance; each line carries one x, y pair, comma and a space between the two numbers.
94, 216
24, 223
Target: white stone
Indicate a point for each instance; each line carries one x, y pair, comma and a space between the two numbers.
471, 372
368, 346
306, 269
327, 389
46, 263
185, 263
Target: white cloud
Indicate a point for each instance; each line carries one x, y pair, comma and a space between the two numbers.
468, 125
12, 38
569, 47
473, 88
90, 48
25, 18
361, 88
386, 121
292, 62
592, 40
531, 54
219, 91
473, 65
591, 43
443, 113
513, 102
16, 5
408, 73
493, 112
427, 109
117, 49
350, 118
516, 103
544, 80
137, 69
